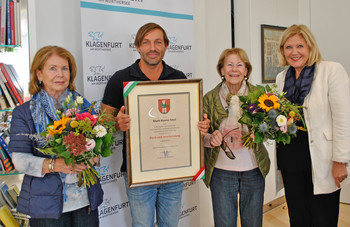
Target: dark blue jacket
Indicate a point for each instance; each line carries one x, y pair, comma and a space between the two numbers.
40, 197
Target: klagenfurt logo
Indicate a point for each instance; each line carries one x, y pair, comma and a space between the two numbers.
107, 208
107, 176
188, 184
97, 75
187, 211
188, 75
132, 42
174, 46
97, 42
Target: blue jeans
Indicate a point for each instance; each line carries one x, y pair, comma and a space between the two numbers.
225, 187
164, 198
83, 217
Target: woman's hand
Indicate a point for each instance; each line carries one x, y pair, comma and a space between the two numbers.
216, 138
339, 172
94, 161
203, 126
60, 166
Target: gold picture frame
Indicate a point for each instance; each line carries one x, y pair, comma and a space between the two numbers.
163, 143
270, 37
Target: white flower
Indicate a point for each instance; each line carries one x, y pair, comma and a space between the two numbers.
100, 131
80, 100
281, 120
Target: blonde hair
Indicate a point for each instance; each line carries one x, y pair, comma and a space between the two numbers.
39, 61
241, 53
303, 31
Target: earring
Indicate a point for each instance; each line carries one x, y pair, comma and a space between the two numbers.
39, 82
223, 77
245, 77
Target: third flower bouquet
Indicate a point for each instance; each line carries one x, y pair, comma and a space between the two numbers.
78, 136
269, 115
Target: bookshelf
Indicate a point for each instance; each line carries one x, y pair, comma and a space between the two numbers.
18, 56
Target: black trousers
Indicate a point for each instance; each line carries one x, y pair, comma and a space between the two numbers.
306, 209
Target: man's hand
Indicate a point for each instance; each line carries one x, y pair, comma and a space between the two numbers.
123, 120
204, 125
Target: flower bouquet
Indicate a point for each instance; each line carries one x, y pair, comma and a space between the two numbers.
78, 136
269, 115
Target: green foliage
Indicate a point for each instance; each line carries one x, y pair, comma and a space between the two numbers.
107, 139
106, 152
259, 137
98, 145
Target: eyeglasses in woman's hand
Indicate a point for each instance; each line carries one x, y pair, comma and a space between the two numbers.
228, 153
226, 148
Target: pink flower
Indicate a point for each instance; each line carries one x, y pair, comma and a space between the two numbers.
283, 128
72, 112
83, 116
90, 144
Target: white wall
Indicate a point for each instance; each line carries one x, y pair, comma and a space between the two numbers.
330, 26
249, 15
212, 35
53, 22
58, 22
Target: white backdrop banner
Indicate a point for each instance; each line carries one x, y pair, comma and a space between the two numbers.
108, 31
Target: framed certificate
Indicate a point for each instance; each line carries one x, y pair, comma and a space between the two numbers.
163, 143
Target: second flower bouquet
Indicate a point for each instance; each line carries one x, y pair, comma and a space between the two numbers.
269, 115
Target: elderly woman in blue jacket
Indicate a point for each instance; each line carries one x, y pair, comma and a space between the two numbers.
50, 193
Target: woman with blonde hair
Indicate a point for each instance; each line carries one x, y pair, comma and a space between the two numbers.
314, 164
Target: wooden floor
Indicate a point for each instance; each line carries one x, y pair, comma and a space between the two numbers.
278, 217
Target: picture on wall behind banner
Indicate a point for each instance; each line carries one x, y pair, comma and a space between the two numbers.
270, 36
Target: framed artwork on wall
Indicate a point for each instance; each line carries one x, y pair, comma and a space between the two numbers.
270, 36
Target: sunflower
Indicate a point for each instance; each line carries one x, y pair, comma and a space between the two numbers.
268, 102
58, 126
